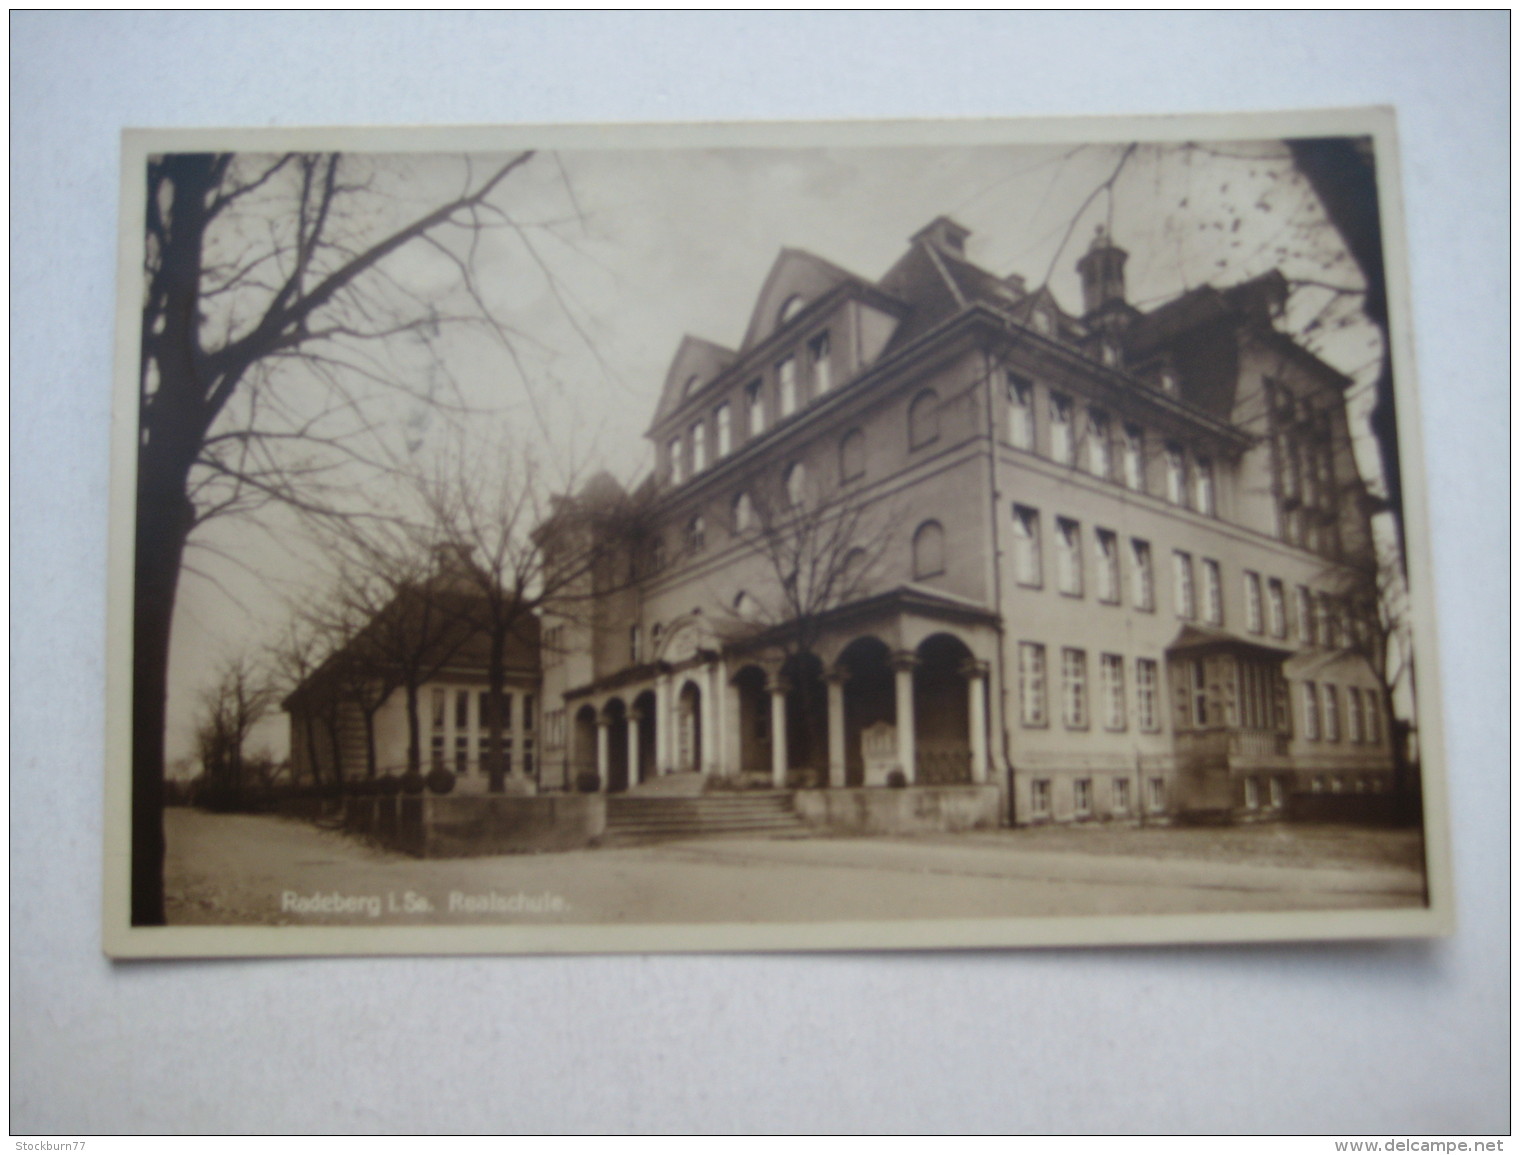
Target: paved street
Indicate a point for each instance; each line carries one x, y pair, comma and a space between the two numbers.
246, 869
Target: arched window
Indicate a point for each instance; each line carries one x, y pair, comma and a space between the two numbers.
853, 574
691, 385
790, 308
852, 455
744, 513
746, 607
696, 534
796, 482
929, 550
923, 419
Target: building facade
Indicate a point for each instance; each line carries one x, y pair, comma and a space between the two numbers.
936, 526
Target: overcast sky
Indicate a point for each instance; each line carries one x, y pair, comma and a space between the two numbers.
612, 256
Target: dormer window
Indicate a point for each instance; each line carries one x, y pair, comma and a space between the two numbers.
786, 383
677, 462
1060, 428
744, 513
1042, 323
723, 416
818, 354
754, 394
1169, 382
691, 386
793, 305
1176, 475
698, 447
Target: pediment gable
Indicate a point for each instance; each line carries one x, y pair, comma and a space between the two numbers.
795, 274
696, 363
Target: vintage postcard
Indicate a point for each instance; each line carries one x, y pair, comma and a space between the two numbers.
768, 537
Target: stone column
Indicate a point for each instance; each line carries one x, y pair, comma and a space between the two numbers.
633, 746
778, 690
835, 680
601, 751
709, 735
975, 673
907, 742
662, 724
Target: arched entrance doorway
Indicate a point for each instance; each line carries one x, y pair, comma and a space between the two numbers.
644, 710
807, 720
583, 745
941, 711
615, 715
869, 698
688, 735
754, 721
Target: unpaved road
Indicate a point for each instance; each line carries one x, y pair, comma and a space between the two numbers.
259, 870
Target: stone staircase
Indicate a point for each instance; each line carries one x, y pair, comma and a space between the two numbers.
646, 817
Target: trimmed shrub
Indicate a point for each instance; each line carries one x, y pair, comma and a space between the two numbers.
412, 782
897, 780
588, 782
388, 784
440, 781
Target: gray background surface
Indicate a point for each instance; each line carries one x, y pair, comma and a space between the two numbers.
1385, 1038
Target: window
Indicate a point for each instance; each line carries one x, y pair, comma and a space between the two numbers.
1182, 585
1252, 794
1311, 711
786, 385
1032, 684
852, 455
1155, 794
698, 447
1119, 793
1074, 688
1353, 714
746, 607
1043, 325
1026, 545
1115, 715
1060, 428
1081, 796
1213, 593
923, 419
1326, 620
1332, 713
796, 483
1108, 566
1203, 485
1134, 458
462, 710
1275, 792
754, 394
744, 513
1147, 717
723, 417
818, 355
1370, 706
527, 710
635, 646
1198, 692
657, 554
440, 711
696, 534
1141, 578
1277, 608
677, 462
790, 308
1020, 412
1305, 609
1039, 797
1098, 463
1253, 602
1176, 475
1068, 557
929, 550
1169, 381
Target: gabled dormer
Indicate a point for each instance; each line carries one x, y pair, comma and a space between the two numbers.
795, 282
697, 363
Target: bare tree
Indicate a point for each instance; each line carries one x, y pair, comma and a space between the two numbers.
242, 696
262, 275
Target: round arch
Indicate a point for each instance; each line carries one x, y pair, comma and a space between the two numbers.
869, 698
941, 710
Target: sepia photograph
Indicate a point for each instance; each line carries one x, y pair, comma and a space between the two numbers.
768, 537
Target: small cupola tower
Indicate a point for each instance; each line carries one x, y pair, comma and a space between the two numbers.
1102, 270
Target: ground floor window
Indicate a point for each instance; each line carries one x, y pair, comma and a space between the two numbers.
1275, 791
1252, 794
1039, 797
1121, 795
1155, 794
1081, 793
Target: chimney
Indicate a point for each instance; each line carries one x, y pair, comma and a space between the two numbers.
1102, 270
944, 234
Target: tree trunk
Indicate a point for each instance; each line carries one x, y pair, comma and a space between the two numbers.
413, 732
371, 754
163, 523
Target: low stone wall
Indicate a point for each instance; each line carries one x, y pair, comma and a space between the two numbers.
449, 826
905, 810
